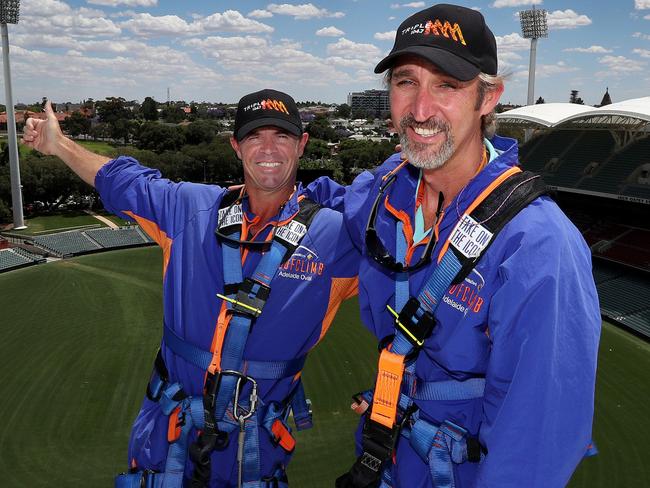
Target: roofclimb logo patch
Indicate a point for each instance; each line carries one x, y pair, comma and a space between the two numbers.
464, 296
303, 265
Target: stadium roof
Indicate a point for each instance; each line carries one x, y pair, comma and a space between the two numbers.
634, 113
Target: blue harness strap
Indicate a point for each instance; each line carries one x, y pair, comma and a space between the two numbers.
263, 370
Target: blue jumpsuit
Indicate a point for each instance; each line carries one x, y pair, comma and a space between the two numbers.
305, 294
526, 319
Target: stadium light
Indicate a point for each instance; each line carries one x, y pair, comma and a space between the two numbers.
9, 10
533, 26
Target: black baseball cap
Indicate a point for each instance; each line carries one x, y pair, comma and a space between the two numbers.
455, 39
267, 107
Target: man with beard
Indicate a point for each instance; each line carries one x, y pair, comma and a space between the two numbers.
252, 280
476, 285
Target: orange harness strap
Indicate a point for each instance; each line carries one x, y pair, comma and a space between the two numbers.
387, 388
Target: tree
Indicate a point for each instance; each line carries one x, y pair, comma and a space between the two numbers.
76, 124
113, 109
320, 129
575, 99
149, 109
173, 114
316, 149
539, 101
201, 131
343, 111
48, 180
159, 138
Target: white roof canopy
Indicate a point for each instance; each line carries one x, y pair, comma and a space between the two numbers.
634, 113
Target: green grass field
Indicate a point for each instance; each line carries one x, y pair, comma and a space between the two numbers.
79, 337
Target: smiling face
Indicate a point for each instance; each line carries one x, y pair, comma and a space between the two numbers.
270, 157
437, 116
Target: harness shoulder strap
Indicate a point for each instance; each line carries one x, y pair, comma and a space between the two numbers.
494, 212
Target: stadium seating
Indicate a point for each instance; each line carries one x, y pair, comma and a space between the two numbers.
591, 146
79, 242
121, 237
66, 243
615, 171
624, 295
539, 151
17, 258
638, 191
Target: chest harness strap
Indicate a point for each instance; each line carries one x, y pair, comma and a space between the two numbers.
393, 411
230, 398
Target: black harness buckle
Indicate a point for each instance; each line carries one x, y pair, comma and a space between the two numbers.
415, 329
247, 301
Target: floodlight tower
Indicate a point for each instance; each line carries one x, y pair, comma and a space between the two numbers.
533, 27
9, 15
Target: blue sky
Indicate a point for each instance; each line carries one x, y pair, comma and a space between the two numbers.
69, 50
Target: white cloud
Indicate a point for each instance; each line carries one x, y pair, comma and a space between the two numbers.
590, 49
164, 25
508, 58
45, 8
408, 5
515, 3
640, 35
385, 36
330, 31
546, 70
282, 63
567, 19
512, 42
128, 3
232, 21
641, 4
260, 14
170, 25
302, 12
350, 63
644, 53
349, 49
618, 65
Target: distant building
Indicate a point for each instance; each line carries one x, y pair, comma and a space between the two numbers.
369, 103
23, 115
607, 100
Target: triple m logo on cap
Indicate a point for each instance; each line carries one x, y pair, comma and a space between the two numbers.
268, 104
437, 28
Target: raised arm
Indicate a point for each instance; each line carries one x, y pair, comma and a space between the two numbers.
46, 137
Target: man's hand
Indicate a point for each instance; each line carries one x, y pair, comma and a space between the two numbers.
46, 137
43, 135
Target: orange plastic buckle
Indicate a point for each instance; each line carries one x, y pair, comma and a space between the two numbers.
175, 424
283, 436
387, 388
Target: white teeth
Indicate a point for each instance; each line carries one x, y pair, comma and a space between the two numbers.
425, 132
269, 165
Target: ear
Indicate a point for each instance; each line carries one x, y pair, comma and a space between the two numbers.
235, 146
302, 143
491, 99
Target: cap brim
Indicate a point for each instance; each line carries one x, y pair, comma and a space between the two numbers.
448, 62
271, 121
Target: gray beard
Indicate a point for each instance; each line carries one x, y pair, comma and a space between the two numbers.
421, 155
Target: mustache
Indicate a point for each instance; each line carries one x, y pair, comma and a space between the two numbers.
431, 123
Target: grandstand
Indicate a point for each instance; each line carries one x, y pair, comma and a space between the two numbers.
15, 258
597, 161
74, 243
